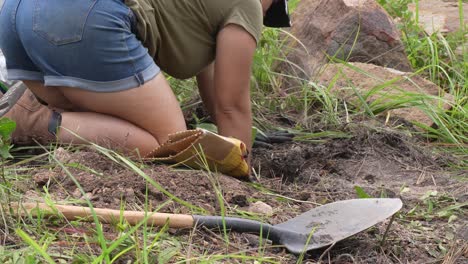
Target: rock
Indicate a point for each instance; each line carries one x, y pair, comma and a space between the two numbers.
43, 177
208, 207
260, 208
76, 193
130, 195
439, 16
62, 155
369, 76
88, 196
329, 28
253, 240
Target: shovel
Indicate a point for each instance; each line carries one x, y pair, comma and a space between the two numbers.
317, 228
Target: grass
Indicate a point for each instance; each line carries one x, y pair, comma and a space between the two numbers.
147, 244
316, 113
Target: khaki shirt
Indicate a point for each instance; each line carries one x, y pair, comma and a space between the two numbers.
181, 34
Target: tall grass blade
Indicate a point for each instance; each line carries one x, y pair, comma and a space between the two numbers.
28, 240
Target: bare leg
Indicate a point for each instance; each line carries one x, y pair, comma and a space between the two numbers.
106, 131
53, 96
139, 118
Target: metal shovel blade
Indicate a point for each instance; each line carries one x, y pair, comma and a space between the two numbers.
330, 223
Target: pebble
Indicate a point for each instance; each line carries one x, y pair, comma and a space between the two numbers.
76, 193
208, 207
129, 195
42, 178
260, 208
87, 196
62, 155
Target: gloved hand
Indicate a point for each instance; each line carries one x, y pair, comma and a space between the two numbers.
202, 149
265, 140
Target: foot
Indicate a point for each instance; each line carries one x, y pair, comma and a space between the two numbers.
35, 122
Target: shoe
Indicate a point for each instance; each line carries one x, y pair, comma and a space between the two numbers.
35, 122
10, 96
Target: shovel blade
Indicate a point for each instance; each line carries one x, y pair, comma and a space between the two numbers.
330, 223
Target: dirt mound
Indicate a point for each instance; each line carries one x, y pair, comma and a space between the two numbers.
107, 184
291, 178
375, 158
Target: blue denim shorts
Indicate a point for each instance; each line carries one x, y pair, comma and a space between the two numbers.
88, 44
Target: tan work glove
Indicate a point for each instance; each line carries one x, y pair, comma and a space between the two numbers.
202, 149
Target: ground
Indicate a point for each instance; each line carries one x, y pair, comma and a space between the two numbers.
292, 178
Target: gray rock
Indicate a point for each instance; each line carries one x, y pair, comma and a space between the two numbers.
62, 155
261, 208
356, 31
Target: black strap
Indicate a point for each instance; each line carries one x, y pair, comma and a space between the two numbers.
55, 122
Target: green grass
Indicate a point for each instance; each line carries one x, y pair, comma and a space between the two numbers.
143, 243
432, 56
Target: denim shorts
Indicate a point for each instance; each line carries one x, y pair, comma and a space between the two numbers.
87, 44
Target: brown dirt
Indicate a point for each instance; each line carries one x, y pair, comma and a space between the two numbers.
381, 161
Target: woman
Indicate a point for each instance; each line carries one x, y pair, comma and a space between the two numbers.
100, 62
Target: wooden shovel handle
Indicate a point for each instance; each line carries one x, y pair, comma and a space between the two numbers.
107, 215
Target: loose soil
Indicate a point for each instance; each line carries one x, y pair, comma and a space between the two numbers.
292, 178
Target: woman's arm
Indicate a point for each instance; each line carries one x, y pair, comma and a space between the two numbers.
234, 56
205, 82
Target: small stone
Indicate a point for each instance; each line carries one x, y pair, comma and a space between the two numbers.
252, 240
87, 196
43, 177
129, 195
208, 207
62, 155
76, 193
261, 208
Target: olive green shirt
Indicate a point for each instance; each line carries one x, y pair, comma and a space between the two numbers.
181, 34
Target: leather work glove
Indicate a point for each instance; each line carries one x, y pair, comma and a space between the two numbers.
202, 149
265, 140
